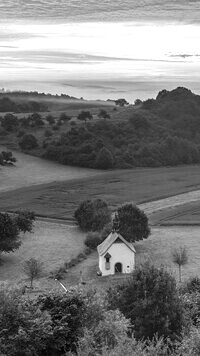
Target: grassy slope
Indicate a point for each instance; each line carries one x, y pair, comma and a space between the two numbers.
60, 199
157, 248
52, 243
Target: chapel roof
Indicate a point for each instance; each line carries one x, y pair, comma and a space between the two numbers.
112, 237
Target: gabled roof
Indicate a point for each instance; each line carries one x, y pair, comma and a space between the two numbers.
105, 245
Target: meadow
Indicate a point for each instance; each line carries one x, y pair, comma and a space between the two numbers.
51, 243
60, 199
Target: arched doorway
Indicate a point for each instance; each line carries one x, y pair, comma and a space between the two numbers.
118, 267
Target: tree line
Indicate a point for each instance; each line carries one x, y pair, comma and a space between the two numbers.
161, 132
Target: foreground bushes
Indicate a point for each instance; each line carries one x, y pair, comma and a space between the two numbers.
155, 320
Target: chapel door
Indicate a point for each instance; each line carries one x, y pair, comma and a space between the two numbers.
118, 267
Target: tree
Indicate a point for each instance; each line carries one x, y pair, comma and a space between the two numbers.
25, 220
24, 329
33, 269
50, 119
180, 258
92, 215
67, 314
9, 234
121, 102
131, 222
28, 142
84, 116
104, 159
9, 122
150, 299
137, 102
103, 114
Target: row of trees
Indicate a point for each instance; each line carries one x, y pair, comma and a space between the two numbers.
94, 217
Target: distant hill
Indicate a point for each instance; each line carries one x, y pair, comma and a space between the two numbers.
28, 102
159, 132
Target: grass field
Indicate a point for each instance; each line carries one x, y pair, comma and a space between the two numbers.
60, 199
55, 243
186, 214
156, 249
30, 170
51, 243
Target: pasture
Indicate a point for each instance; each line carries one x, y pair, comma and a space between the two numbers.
156, 249
29, 171
60, 199
52, 243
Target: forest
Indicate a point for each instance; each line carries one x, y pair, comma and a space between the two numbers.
159, 132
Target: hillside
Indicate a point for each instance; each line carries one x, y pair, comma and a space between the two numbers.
157, 132
160, 132
28, 102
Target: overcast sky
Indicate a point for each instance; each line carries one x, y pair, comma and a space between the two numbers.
99, 49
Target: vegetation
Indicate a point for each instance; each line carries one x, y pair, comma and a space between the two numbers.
131, 222
12, 105
180, 258
92, 215
84, 116
10, 228
93, 239
150, 299
162, 320
33, 269
6, 157
28, 142
160, 132
104, 159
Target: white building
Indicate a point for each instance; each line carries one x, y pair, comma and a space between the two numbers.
116, 255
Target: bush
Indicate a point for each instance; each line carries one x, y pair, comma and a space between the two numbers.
104, 159
92, 215
93, 239
28, 142
193, 285
48, 133
150, 298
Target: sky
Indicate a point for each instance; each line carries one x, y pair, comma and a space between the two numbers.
100, 50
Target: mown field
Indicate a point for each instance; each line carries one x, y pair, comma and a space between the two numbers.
156, 249
29, 170
52, 243
60, 199
55, 243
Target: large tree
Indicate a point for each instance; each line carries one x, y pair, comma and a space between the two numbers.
10, 228
131, 222
9, 234
150, 299
92, 215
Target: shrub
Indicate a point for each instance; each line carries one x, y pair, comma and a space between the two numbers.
93, 239
193, 285
104, 159
92, 215
48, 133
28, 142
21, 133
